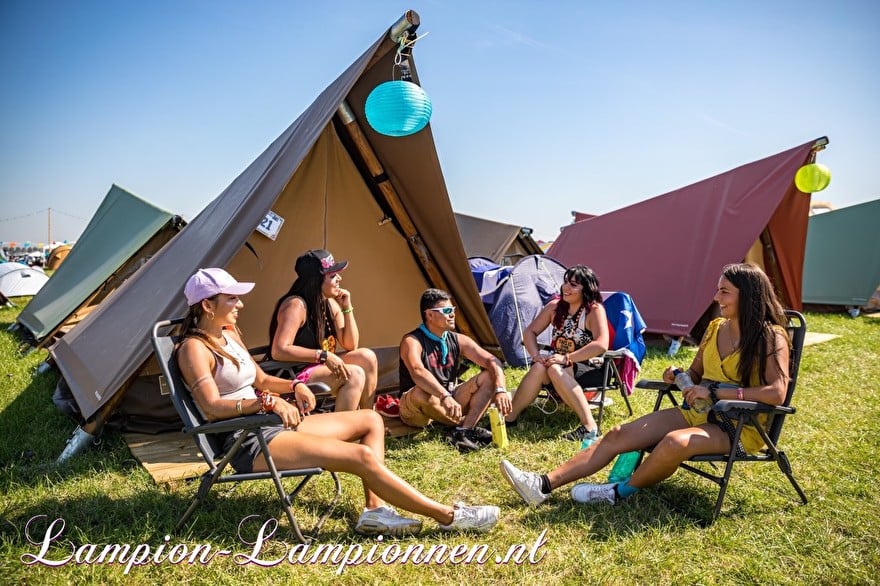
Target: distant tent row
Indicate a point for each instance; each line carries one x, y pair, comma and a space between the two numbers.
667, 251
122, 235
377, 201
842, 262
504, 244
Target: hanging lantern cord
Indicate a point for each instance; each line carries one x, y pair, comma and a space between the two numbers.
401, 59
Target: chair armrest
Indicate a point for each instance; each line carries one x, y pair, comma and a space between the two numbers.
614, 354
656, 385
733, 407
248, 422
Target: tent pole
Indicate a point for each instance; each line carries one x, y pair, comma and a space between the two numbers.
382, 181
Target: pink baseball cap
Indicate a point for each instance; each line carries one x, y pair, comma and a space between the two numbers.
209, 282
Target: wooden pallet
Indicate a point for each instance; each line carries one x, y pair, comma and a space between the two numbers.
172, 457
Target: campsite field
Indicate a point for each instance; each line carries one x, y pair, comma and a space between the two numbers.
764, 535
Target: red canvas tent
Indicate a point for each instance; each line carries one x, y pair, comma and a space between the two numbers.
667, 251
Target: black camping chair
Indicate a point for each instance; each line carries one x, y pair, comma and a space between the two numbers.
324, 400
164, 340
747, 412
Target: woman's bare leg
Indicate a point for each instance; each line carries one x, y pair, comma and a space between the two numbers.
571, 394
324, 441
528, 389
366, 360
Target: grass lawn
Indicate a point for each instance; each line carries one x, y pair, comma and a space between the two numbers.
764, 536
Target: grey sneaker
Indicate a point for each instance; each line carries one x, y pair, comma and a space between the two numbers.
385, 521
593, 493
580, 434
526, 484
472, 518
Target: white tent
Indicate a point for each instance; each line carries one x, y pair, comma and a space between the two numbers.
18, 280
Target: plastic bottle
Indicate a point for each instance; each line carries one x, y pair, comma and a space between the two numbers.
674, 346
499, 429
623, 467
683, 381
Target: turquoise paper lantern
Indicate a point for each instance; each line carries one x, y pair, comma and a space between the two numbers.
398, 108
812, 178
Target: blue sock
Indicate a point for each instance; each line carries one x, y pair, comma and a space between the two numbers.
624, 490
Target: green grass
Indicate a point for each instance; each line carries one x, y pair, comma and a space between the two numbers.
764, 535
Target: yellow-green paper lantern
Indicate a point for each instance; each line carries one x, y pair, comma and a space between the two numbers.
812, 178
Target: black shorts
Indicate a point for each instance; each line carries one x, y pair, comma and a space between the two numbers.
589, 375
243, 462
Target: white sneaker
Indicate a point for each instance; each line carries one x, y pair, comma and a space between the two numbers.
593, 493
472, 518
385, 521
526, 484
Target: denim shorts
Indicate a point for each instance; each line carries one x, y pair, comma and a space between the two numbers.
243, 461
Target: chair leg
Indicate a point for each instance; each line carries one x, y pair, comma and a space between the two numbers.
785, 466
204, 487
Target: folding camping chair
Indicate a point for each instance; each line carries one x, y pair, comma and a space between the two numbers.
747, 412
626, 352
164, 341
324, 400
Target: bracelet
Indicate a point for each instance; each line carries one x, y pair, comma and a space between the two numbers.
349, 309
446, 396
567, 360
739, 394
713, 395
267, 400
317, 355
499, 390
238, 407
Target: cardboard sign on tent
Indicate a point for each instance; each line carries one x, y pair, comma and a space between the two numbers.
378, 201
505, 244
668, 251
842, 263
122, 235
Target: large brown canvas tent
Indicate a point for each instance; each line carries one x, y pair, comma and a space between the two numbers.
377, 201
504, 244
667, 251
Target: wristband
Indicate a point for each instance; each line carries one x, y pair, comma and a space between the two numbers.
238, 407
322, 356
349, 309
446, 396
499, 390
739, 394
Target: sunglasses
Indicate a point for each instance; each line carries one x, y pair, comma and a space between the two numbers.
444, 310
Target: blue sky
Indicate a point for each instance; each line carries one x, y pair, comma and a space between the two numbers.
540, 108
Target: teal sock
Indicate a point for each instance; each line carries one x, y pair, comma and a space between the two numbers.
624, 490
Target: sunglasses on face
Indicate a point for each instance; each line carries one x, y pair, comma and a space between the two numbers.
444, 310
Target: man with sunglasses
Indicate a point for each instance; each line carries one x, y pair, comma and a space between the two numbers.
429, 366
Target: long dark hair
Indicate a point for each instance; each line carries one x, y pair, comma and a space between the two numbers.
309, 289
191, 330
584, 276
759, 310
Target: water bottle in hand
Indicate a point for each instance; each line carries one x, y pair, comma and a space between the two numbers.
683, 381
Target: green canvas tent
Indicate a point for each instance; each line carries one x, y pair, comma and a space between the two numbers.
842, 260
122, 235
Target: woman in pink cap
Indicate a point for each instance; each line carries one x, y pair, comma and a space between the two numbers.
224, 380
313, 326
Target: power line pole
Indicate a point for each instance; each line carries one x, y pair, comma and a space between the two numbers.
49, 232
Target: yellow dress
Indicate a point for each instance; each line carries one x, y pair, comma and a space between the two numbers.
725, 370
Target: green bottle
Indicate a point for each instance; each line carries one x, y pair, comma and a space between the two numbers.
623, 467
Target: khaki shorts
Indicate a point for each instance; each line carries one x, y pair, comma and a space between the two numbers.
410, 412
751, 440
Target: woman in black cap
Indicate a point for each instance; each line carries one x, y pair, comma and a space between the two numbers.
313, 325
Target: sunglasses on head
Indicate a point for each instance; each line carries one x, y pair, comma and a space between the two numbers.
444, 310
